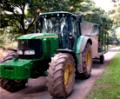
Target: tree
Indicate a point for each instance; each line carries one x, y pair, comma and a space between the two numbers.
115, 16
25, 12
19, 14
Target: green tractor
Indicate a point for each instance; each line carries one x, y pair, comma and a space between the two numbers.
57, 49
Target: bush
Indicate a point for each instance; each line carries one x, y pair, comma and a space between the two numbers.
7, 36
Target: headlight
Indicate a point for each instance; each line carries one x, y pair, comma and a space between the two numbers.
29, 52
20, 52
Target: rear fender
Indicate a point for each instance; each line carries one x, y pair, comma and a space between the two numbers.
81, 43
79, 48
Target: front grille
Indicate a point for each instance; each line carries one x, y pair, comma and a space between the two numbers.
8, 68
34, 44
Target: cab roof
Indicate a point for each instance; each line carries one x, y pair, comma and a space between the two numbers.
61, 12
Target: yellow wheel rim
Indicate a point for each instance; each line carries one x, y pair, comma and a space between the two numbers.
88, 60
68, 74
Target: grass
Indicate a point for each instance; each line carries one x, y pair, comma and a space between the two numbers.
108, 86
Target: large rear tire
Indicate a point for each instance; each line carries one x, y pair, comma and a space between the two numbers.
61, 75
86, 63
12, 85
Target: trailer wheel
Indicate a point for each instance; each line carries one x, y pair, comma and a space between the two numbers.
61, 75
86, 63
101, 59
12, 85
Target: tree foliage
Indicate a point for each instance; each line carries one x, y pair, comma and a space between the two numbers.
18, 14
23, 17
115, 16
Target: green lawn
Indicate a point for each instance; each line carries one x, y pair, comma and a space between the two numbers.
108, 86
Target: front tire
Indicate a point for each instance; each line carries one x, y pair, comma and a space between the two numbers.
12, 85
10, 55
61, 75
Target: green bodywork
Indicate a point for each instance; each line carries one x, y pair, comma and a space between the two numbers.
16, 69
19, 69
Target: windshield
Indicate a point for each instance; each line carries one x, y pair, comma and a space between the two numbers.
57, 23
65, 25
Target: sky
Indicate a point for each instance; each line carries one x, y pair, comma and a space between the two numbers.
104, 4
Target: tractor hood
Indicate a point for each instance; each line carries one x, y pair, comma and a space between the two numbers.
44, 44
38, 36
16, 69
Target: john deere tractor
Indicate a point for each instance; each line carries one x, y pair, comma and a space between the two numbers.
57, 49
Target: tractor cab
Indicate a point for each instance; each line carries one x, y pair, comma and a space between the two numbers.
63, 24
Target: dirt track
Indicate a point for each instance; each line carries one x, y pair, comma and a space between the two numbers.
36, 88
